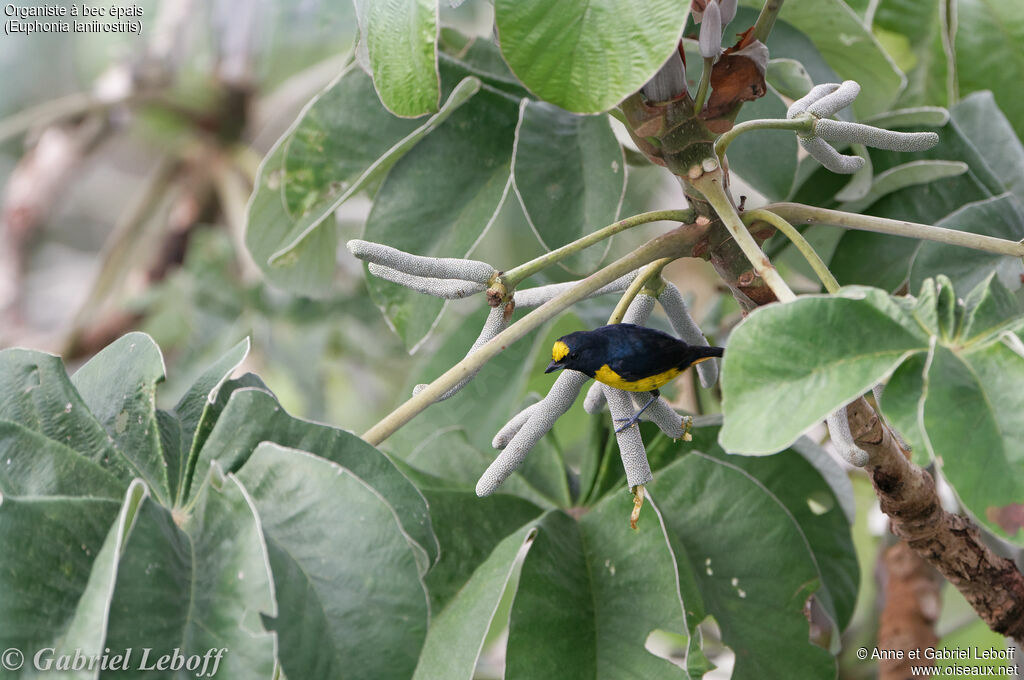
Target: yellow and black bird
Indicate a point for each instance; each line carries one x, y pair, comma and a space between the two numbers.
628, 357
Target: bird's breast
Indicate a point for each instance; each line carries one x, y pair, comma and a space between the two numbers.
652, 382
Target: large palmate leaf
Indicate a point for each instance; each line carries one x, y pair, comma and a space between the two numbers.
589, 595
989, 34
591, 590
401, 44
586, 57
50, 547
1001, 216
956, 367
979, 117
341, 142
118, 386
440, 198
569, 175
336, 616
885, 261
96, 559
252, 416
849, 48
758, 604
216, 562
456, 634
788, 366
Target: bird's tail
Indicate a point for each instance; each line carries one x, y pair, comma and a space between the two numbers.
708, 352
703, 353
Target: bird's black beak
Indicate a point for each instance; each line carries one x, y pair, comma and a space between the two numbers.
554, 366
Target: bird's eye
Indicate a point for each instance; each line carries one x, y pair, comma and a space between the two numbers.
574, 355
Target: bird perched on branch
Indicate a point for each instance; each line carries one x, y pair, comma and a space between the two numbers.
628, 357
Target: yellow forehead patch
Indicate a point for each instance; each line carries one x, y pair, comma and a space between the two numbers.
559, 351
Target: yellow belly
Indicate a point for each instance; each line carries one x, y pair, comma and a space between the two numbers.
610, 377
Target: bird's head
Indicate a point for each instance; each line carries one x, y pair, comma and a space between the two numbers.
572, 351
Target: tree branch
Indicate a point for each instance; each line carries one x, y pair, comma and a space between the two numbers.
676, 243
913, 603
799, 242
711, 184
766, 19
513, 277
951, 543
797, 213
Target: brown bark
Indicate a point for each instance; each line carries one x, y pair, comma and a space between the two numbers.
912, 606
951, 543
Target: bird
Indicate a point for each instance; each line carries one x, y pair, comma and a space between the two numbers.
628, 357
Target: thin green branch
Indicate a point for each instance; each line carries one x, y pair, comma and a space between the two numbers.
710, 184
797, 213
804, 123
638, 284
675, 243
805, 248
513, 277
766, 19
703, 86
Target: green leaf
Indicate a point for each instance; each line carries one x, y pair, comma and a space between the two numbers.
900, 404
973, 413
211, 414
587, 57
767, 160
466, 545
253, 416
913, 31
35, 393
1002, 217
456, 634
913, 118
119, 387
87, 629
981, 120
309, 267
33, 465
907, 175
50, 545
813, 487
884, 261
814, 507
789, 78
832, 472
341, 142
342, 145
198, 404
991, 309
989, 34
570, 176
590, 593
788, 366
336, 616
757, 602
198, 586
439, 200
401, 40
848, 47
